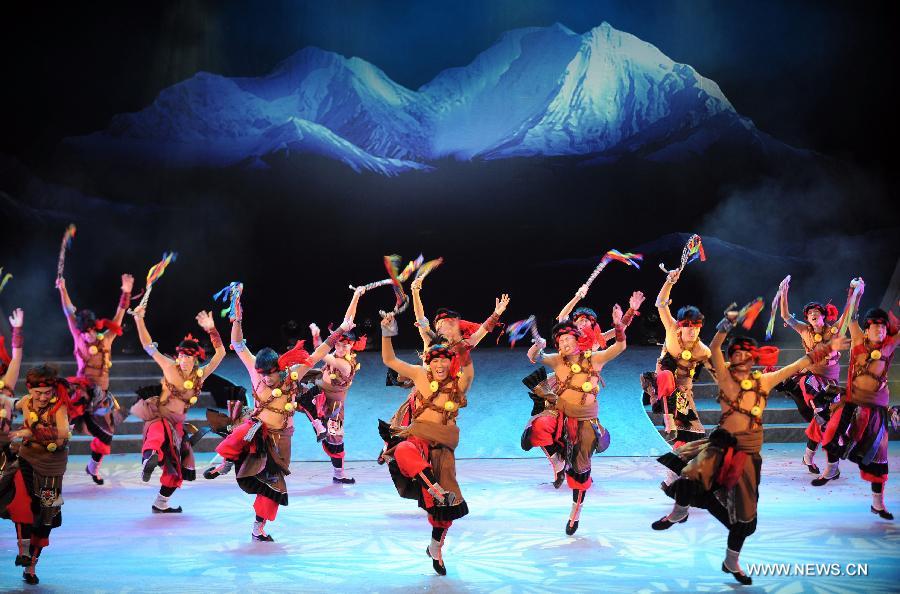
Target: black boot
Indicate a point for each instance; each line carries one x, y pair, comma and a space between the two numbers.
151, 461
740, 576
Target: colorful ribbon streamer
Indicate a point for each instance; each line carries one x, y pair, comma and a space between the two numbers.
626, 258
4, 280
518, 330
770, 327
231, 294
156, 271
693, 250
748, 314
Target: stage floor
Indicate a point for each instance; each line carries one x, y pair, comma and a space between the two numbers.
363, 537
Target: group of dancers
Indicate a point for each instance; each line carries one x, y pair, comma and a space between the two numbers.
717, 470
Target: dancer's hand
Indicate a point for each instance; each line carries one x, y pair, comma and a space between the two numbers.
416, 285
540, 342
347, 325
389, 325
673, 276
314, 330
17, 318
582, 292
637, 298
61, 284
139, 312
857, 282
360, 290
206, 321
840, 343
617, 315
127, 283
501, 304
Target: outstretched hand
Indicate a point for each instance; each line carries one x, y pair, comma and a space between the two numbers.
501, 303
637, 298
206, 321
616, 315
127, 283
17, 318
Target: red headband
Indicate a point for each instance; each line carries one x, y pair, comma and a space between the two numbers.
438, 352
197, 351
689, 324
357, 345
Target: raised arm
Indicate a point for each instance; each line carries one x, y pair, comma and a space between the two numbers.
662, 300
856, 333
389, 358
350, 314
124, 298
500, 305
68, 307
634, 306
316, 335
207, 322
146, 342
786, 315
16, 320
239, 345
580, 294
422, 324
720, 369
618, 347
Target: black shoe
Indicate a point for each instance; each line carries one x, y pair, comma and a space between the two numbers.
818, 482
439, 567
321, 436
571, 527
343, 481
664, 523
882, 513
740, 576
813, 469
560, 477
262, 537
30, 578
166, 510
380, 459
97, 480
150, 465
23, 560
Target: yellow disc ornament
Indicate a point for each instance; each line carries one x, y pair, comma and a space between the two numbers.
333, 376
588, 354
3, 413
188, 385
686, 355
289, 406
348, 357
276, 392
576, 368
692, 372
51, 447
756, 411
434, 386
817, 337
295, 376
756, 374
746, 384
93, 349
53, 400
193, 400
2, 384
358, 366
587, 387
199, 372
32, 417
450, 406
875, 355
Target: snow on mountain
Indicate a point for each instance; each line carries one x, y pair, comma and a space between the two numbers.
536, 92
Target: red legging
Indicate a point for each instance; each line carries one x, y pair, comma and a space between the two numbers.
412, 458
156, 437
232, 448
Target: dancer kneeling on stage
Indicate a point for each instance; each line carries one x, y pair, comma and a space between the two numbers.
423, 464
260, 446
164, 407
721, 473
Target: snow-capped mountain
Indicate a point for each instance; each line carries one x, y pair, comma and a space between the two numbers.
536, 92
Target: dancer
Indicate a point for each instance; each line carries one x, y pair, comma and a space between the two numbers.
337, 377
541, 385
94, 408
163, 408
260, 446
858, 428
31, 487
423, 464
670, 389
574, 432
813, 390
9, 466
721, 474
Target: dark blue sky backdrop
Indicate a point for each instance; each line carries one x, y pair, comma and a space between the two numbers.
812, 73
